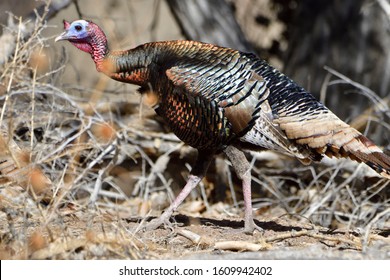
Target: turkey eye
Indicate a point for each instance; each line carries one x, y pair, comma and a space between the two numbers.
78, 28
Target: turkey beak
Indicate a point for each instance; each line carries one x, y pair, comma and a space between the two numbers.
63, 36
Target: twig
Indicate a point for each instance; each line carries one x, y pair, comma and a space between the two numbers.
371, 223
385, 6
379, 102
195, 238
238, 246
33, 110
329, 194
106, 151
12, 73
78, 10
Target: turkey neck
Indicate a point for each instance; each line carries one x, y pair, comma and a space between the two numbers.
130, 66
96, 46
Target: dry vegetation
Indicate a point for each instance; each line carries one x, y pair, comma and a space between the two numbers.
78, 174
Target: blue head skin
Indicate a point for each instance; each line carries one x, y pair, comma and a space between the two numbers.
76, 31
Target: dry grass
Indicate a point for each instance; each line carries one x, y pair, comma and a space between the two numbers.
75, 170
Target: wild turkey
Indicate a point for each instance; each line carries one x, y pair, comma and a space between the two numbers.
217, 99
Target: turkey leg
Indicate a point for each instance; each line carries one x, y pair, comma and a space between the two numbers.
242, 168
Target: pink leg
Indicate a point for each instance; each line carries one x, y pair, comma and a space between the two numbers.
242, 169
197, 173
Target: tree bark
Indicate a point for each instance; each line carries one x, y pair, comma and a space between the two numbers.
210, 22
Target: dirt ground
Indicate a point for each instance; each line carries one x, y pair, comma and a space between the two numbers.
83, 161
103, 234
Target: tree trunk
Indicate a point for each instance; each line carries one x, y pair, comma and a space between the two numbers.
210, 22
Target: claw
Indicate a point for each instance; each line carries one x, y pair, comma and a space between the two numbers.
156, 223
163, 220
251, 226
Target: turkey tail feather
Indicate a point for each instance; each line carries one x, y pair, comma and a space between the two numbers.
364, 150
325, 134
357, 147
